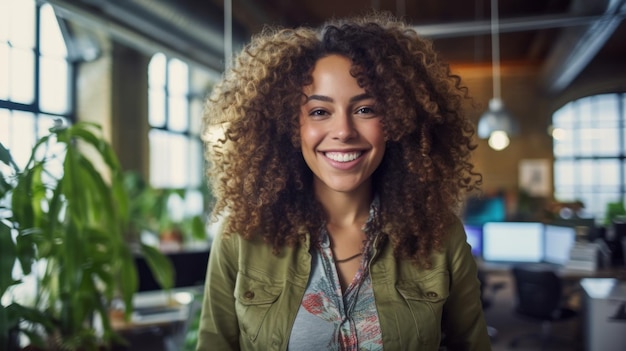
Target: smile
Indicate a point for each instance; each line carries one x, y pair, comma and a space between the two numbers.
343, 156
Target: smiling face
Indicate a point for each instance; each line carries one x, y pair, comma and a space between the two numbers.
342, 137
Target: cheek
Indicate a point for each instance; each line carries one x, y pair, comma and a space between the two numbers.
310, 136
376, 134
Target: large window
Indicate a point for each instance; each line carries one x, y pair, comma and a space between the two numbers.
589, 150
175, 112
35, 75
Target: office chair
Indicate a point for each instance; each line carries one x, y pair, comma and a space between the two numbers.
540, 297
487, 295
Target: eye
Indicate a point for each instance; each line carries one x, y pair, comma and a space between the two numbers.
318, 113
365, 110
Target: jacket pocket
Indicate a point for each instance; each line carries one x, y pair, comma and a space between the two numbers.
425, 299
253, 299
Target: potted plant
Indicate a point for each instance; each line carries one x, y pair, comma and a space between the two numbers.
63, 220
151, 211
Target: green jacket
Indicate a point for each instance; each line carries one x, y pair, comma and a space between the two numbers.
252, 297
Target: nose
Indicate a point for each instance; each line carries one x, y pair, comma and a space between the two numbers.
343, 128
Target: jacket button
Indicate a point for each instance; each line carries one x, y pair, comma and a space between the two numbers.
431, 294
248, 294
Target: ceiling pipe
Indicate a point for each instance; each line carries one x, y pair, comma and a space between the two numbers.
578, 46
520, 24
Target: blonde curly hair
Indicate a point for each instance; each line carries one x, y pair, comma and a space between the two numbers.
257, 171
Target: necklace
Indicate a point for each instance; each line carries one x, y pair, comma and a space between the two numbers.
349, 258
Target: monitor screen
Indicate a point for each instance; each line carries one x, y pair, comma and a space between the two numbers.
558, 243
189, 270
475, 238
513, 241
480, 210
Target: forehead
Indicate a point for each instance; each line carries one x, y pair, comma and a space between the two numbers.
332, 73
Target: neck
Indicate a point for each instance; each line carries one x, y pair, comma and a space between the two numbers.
345, 209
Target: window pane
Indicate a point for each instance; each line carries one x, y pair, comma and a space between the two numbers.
53, 83
5, 125
196, 110
159, 158
44, 123
4, 71
178, 114
564, 173
179, 160
605, 117
22, 23
22, 78
51, 39
23, 124
194, 203
5, 12
564, 117
178, 83
605, 107
156, 113
563, 142
586, 172
169, 153
196, 162
607, 141
156, 71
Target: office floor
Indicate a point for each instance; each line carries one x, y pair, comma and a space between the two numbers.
501, 316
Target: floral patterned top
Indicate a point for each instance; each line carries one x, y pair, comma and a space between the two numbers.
329, 319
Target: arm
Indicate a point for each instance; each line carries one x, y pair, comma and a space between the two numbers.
219, 328
463, 320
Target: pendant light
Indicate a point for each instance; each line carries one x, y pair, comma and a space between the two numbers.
496, 123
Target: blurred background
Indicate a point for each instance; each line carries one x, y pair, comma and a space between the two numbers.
142, 68
547, 78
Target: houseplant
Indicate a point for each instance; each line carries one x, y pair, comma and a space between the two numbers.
150, 211
65, 214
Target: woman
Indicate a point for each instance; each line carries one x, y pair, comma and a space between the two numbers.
344, 161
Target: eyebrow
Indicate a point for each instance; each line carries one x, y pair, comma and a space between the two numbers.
325, 98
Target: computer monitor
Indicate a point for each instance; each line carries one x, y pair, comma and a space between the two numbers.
513, 242
474, 238
479, 210
189, 270
558, 243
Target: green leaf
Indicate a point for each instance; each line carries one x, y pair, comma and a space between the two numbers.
8, 255
5, 187
160, 266
6, 158
198, 230
129, 281
25, 245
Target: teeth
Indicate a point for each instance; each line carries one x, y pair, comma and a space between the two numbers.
343, 156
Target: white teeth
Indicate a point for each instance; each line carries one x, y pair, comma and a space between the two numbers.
343, 156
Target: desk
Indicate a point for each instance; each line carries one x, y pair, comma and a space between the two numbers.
566, 274
604, 307
159, 320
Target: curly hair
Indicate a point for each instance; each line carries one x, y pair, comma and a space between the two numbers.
257, 170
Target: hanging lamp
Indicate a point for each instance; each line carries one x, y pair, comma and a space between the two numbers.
496, 124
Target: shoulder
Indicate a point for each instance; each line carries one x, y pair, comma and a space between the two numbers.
455, 232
